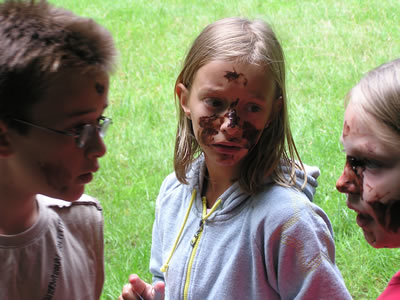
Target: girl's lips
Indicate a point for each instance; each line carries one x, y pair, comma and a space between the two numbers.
363, 220
227, 148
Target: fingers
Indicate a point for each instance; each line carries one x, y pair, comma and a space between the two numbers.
128, 293
138, 289
159, 291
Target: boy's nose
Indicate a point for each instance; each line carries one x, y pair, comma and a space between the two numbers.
96, 146
348, 182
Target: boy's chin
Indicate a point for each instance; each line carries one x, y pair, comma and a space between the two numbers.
70, 195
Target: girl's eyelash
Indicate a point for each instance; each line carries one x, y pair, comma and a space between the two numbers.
363, 162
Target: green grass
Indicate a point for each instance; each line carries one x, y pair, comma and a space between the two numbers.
328, 44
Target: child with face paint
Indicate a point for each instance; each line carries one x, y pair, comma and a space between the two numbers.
54, 74
371, 176
235, 220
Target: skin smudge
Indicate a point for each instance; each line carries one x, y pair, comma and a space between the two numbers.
232, 114
250, 133
387, 214
99, 88
210, 127
56, 176
354, 175
234, 76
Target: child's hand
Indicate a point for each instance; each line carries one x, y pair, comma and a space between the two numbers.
137, 289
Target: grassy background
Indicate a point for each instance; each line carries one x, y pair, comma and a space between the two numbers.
328, 45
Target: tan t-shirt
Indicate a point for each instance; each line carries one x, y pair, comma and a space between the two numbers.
59, 257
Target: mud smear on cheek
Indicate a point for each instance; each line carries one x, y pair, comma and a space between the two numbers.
251, 134
56, 176
388, 214
210, 126
235, 77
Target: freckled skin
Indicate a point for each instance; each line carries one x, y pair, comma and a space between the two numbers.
56, 176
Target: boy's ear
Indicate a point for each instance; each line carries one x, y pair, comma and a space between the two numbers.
5, 145
183, 95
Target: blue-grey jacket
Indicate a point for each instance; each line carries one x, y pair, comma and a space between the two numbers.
275, 245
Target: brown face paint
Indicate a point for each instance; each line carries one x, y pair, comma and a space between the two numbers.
354, 177
99, 88
387, 214
251, 134
232, 114
210, 127
56, 176
234, 76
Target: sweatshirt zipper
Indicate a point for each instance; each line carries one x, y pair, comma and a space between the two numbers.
195, 242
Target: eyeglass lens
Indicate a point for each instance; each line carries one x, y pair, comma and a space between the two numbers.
89, 129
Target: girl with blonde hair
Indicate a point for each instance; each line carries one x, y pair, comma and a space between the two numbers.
235, 220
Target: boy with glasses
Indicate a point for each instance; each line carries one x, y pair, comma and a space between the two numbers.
54, 79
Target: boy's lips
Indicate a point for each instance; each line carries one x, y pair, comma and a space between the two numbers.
85, 178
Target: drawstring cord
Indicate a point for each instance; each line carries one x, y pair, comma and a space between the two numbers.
164, 268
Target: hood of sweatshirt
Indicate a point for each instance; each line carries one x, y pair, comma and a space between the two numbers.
234, 197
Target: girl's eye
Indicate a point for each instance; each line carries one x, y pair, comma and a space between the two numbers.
253, 108
214, 103
363, 163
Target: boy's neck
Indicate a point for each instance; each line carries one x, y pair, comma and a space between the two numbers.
17, 215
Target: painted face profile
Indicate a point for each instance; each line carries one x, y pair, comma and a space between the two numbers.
51, 163
230, 104
371, 180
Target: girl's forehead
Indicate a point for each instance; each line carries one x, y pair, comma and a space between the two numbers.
365, 135
219, 75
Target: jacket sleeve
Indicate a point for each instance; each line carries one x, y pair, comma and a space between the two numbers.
156, 248
300, 253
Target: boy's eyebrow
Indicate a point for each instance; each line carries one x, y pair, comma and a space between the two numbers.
84, 112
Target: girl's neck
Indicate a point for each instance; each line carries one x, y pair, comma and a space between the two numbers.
216, 182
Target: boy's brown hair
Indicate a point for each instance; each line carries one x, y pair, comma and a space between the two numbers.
38, 44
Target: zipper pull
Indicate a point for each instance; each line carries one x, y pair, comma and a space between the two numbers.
196, 236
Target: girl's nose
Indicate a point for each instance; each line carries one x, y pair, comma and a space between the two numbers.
348, 182
230, 126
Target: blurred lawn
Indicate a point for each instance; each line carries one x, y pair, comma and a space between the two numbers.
328, 46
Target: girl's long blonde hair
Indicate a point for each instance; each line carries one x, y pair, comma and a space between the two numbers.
243, 41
